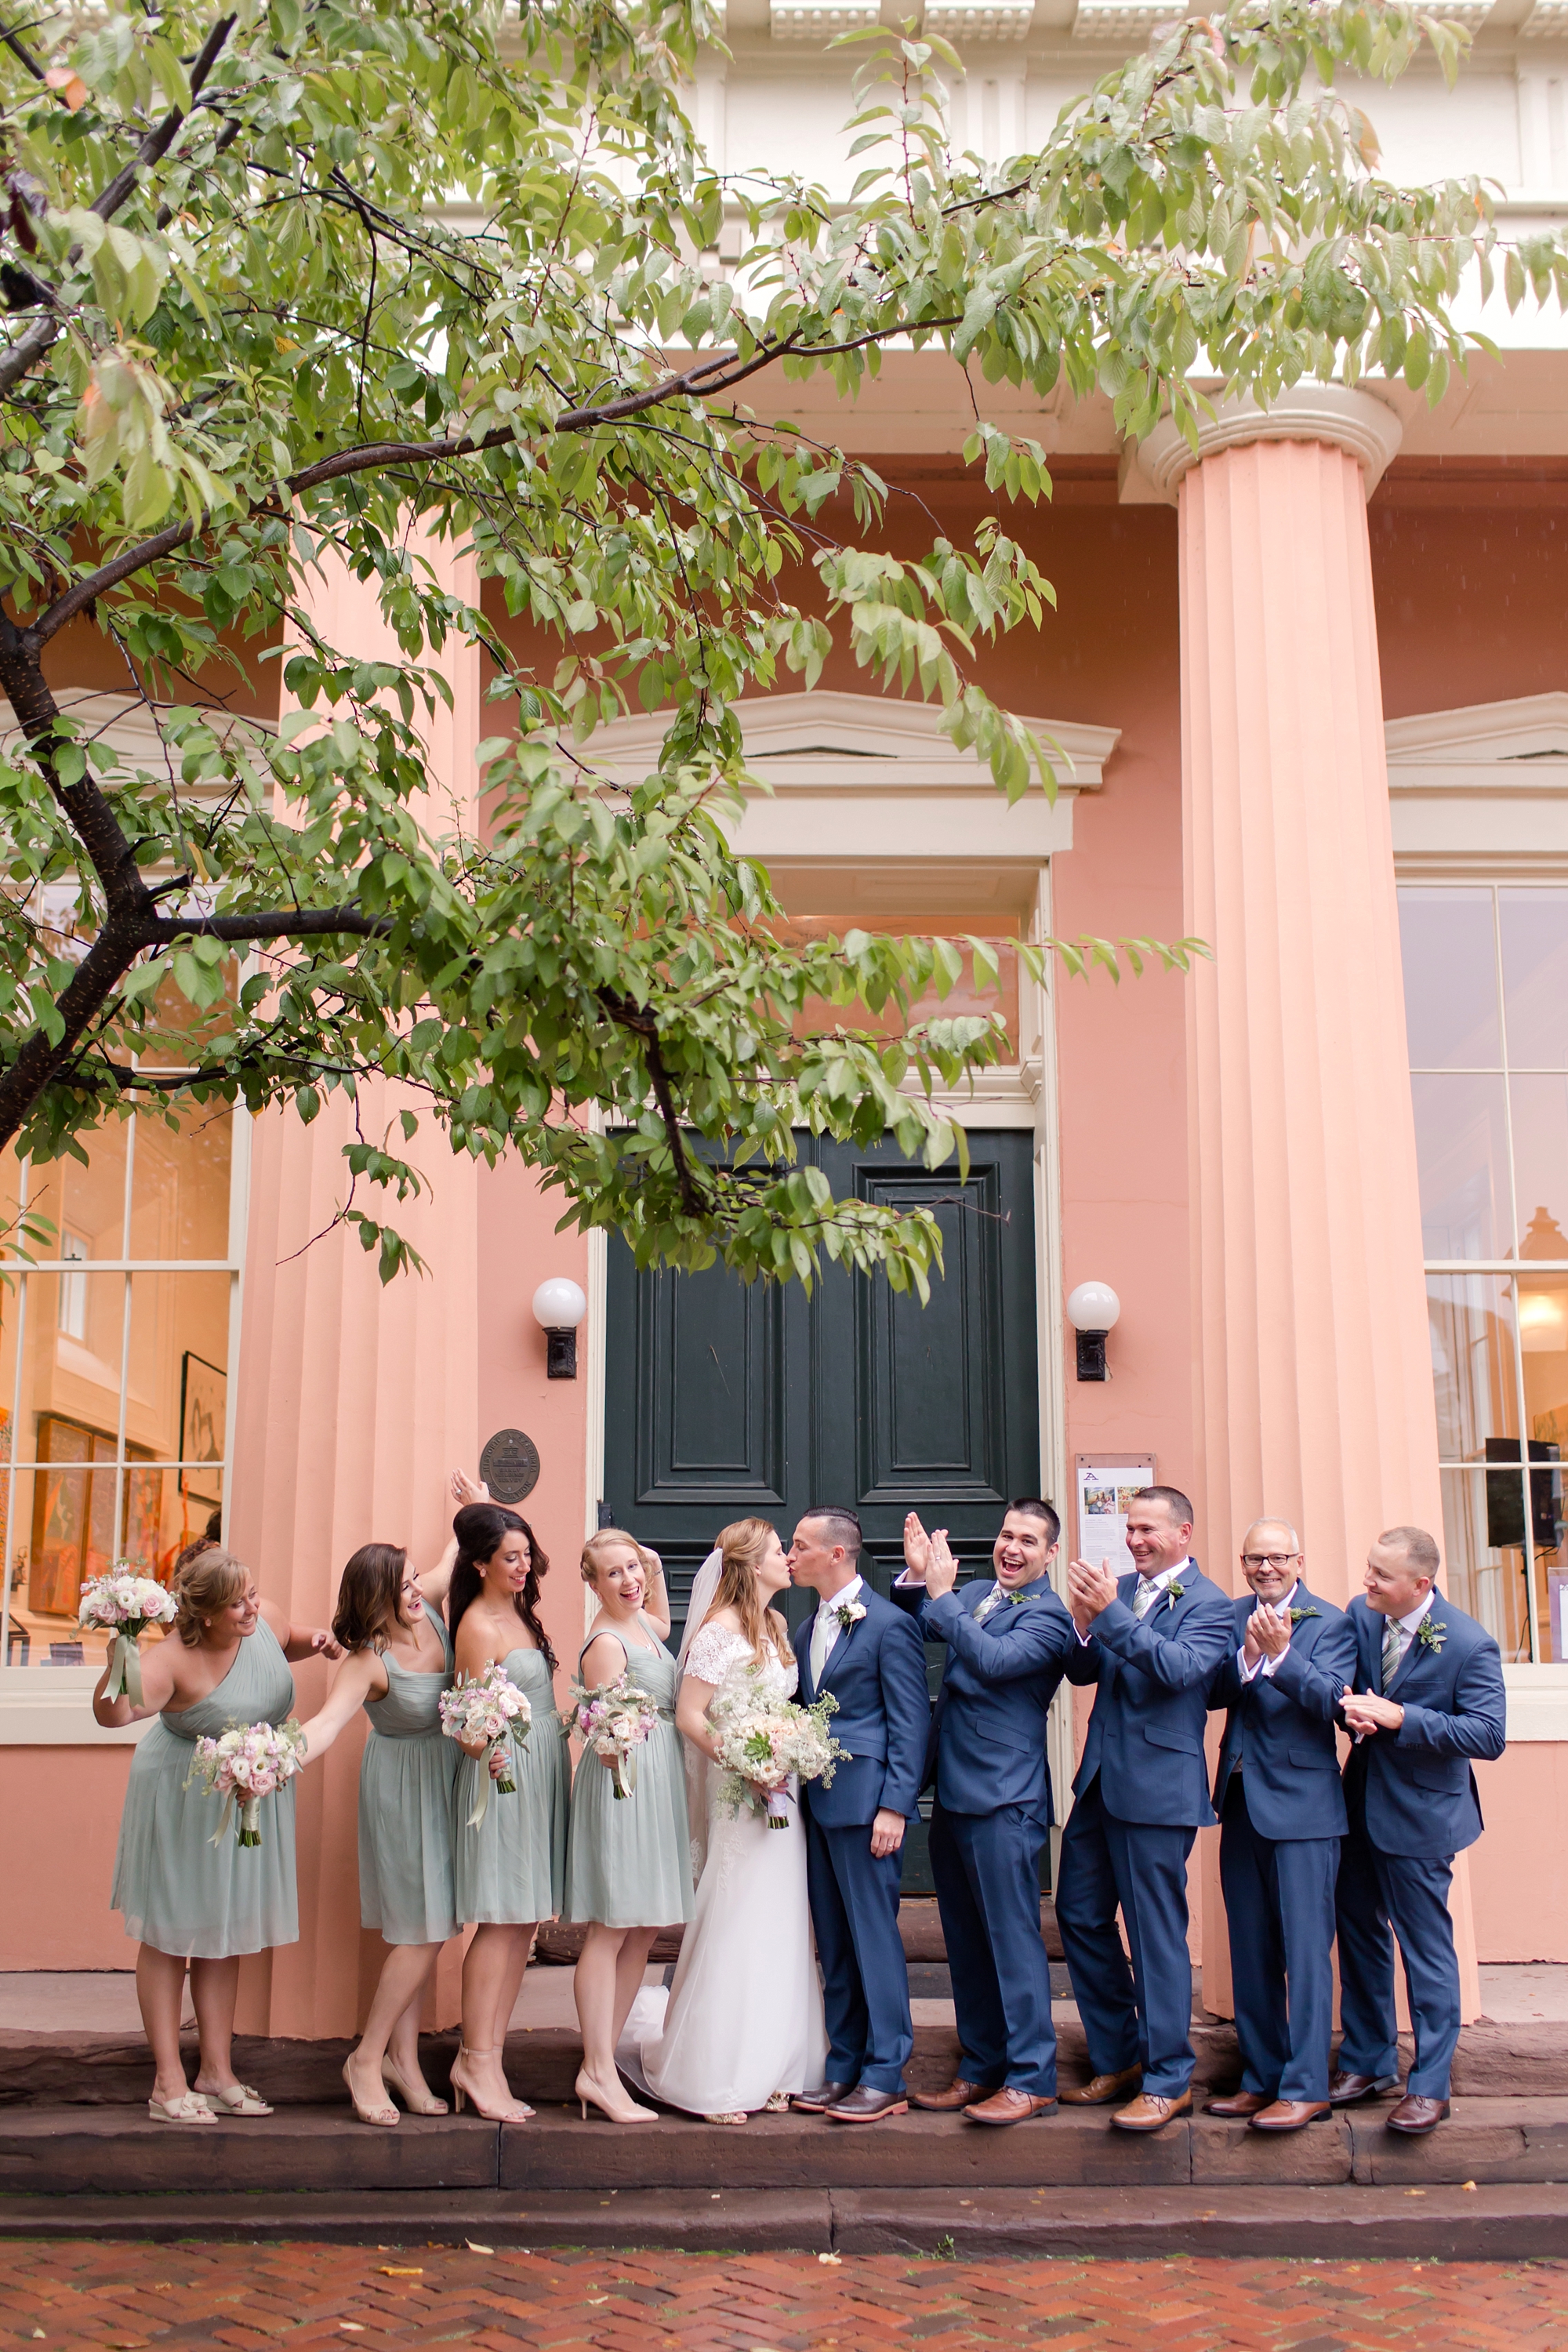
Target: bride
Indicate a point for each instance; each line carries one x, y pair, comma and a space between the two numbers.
743, 2027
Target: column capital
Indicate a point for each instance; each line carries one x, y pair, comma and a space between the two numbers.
1353, 421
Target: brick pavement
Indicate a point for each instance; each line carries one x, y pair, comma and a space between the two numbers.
121, 2297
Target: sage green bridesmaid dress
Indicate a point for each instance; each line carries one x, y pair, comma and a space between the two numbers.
512, 1869
178, 1891
406, 1780
628, 1859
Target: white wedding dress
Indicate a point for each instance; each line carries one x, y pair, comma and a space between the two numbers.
742, 2020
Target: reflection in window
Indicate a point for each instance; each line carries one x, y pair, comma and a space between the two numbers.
114, 1360
1486, 976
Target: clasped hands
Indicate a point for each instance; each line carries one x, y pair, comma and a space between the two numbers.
1365, 1712
1267, 1635
1090, 1588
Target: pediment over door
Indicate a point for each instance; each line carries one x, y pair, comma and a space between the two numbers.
1481, 788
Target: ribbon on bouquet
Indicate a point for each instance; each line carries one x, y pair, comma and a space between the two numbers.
506, 1785
124, 1669
778, 1808
249, 1820
624, 1773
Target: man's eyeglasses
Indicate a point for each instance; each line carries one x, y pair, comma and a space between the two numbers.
1268, 1559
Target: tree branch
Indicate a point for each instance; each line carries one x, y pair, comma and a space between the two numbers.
307, 923
644, 1027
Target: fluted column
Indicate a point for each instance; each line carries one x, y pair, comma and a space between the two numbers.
355, 1401
1312, 1359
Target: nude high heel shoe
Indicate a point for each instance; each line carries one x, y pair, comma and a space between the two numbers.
519, 2112
592, 2096
386, 2116
418, 2097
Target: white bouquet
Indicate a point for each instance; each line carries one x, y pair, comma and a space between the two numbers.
245, 1763
124, 1605
487, 1706
763, 1740
614, 1721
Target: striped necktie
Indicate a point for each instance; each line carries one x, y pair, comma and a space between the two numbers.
1392, 1652
1143, 1600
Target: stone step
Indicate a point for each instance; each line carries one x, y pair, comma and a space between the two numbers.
1516, 2224
74, 2152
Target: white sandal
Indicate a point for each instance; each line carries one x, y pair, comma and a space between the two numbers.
191, 2109
737, 2115
241, 2100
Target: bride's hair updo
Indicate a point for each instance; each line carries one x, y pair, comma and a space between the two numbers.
740, 1547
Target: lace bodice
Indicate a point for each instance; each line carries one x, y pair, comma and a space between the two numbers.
719, 1652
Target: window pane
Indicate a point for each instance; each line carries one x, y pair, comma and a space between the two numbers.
1461, 1148
177, 1393
1473, 1364
1486, 1578
1534, 927
179, 1185
1539, 1107
85, 1206
72, 1327
1450, 980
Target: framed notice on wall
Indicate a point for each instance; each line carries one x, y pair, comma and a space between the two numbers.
1106, 1484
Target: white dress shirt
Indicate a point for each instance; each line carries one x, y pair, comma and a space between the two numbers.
826, 1628
1266, 1665
1145, 1591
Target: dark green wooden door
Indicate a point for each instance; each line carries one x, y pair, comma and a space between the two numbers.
724, 1401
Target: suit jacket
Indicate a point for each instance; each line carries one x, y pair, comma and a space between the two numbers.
1416, 1785
988, 1733
877, 1671
1146, 1734
1281, 1726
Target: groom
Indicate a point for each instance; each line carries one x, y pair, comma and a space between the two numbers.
869, 1655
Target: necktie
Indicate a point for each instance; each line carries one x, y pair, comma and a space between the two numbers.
1143, 1600
991, 1600
821, 1634
1390, 1652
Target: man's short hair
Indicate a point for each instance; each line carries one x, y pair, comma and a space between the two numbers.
842, 1527
1418, 1547
1176, 1502
1270, 1520
1035, 1506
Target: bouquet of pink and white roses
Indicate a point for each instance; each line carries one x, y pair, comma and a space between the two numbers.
614, 1721
487, 1706
763, 1740
124, 1605
244, 1764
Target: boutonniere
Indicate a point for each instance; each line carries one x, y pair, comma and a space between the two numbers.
1429, 1636
1296, 1614
1016, 1599
850, 1613
1177, 1593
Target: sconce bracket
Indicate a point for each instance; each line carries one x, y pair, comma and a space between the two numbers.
1091, 1356
561, 1355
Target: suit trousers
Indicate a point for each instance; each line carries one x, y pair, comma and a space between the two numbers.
986, 1871
1409, 1894
1139, 2015
1280, 1904
865, 1980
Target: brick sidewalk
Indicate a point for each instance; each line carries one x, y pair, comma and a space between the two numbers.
121, 2296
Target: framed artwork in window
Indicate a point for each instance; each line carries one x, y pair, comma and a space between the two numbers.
203, 1416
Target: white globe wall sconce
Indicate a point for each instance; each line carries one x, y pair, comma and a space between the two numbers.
559, 1306
1092, 1311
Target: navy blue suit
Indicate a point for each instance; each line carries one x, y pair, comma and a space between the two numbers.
877, 1671
1413, 1805
1282, 1816
993, 1810
1141, 1796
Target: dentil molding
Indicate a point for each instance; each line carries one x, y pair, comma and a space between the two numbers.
1353, 421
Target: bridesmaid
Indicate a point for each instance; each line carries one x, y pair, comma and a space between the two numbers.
509, 1871
629, 1862
188, 1901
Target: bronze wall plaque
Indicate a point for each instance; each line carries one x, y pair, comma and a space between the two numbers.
510, 1466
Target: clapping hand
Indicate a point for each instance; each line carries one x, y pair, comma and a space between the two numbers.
1365, 1712
917, 1547
1267, 1634
942, 1568
1090, 1588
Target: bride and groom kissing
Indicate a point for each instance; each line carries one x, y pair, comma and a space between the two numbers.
748, 2024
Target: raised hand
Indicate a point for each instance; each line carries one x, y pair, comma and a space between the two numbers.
942, 1568
1270, 1628
468, 1490
917, 1547
1091, 1589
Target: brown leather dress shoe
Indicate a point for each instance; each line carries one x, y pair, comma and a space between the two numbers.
1238, 2106
1105, 2089
1416, 2115
1009, 2107
1349, 2090
818, 2102
958, 2093
1292, 2114
1149, 2112
864, 2105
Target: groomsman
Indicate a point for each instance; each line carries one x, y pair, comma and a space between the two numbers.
1282, 1816
1007, 1641
868, 1653
1152, 1642
1427, 1696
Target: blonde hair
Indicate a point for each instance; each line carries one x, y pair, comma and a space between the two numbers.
741, 1546
607, 1536
204, 1582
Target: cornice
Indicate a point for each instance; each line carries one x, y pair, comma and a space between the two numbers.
1152, 470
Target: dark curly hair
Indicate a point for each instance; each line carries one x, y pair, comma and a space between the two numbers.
479, 1527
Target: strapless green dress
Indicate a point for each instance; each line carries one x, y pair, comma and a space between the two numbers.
628, 1859
178, 1891
511, 1870
406, 1780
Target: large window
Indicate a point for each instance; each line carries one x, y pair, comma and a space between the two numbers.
115, 1348
1486, 989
